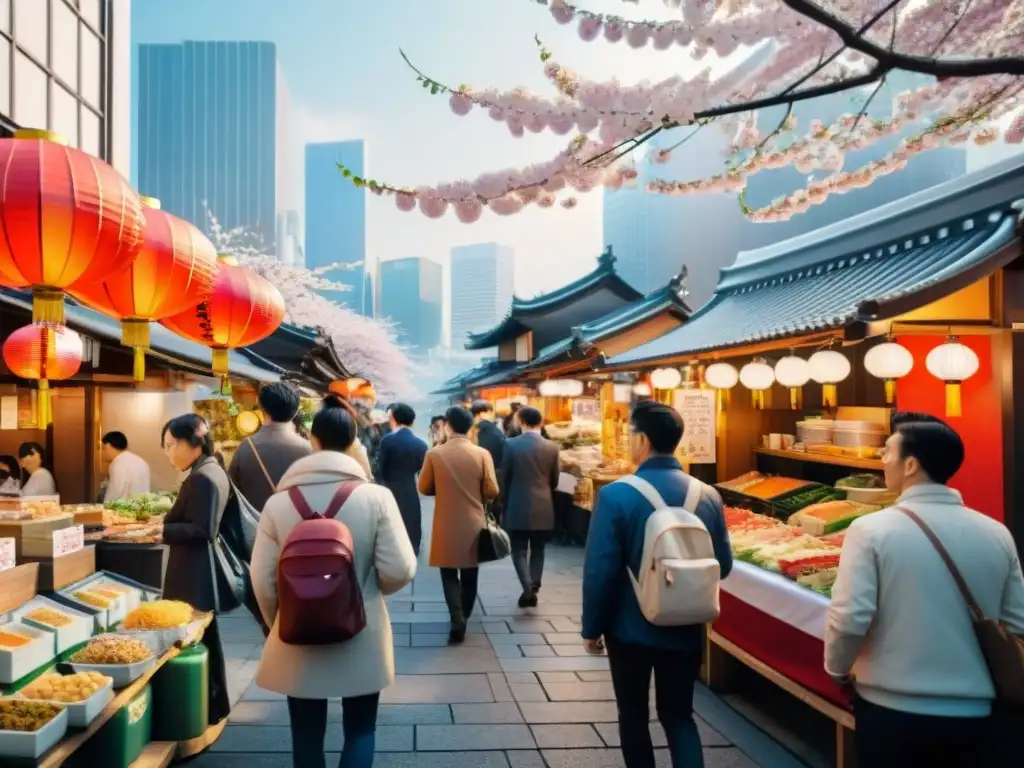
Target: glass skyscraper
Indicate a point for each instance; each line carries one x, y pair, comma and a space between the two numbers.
411, 295
336, 221
211, 132
481, 287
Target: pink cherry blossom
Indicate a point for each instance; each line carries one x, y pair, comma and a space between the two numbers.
612, 31
637, 35
405, 201
569, 203
468, 211
460, 104
562, 13
590, 28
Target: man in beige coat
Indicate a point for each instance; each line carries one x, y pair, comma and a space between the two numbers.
462, 478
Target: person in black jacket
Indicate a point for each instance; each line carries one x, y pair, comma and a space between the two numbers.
399, 460
491, 438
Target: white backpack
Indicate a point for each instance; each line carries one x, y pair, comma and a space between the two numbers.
679, 575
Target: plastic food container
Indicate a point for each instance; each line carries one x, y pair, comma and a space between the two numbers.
859, 434
32, 745
17, 662
81, 713
123, 675
815, 431
77, 631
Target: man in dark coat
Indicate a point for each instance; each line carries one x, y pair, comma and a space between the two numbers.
491, 438
529, 477
399, 460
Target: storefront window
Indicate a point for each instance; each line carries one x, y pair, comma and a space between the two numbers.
29, 93
64, 114
92, 71
5, 76
65, 44
30, 27
90, 140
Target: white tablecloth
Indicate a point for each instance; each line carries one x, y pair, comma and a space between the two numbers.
779, 597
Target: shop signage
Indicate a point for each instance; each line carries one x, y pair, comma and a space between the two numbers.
7, 556
699, 411
67, 541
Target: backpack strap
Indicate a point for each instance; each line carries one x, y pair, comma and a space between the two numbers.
694, 492
341, 495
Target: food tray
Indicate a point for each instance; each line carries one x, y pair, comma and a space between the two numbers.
859, 434
815, 431
15, 663
81, 713
877, 496
122, 674
132, 595
34, 744
165, 639
805, 497
78, 631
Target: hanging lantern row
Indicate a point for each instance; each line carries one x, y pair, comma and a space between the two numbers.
793, 373
666, 378
890, 362
757, 376
561, 388
954, 363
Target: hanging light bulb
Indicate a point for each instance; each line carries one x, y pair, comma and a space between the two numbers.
642, 389
953, 363
793, 372
828, 367
757, 376
721, 377
889, 361
548, 388
666, 378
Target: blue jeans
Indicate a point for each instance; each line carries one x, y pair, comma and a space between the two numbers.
675, 674
308, 718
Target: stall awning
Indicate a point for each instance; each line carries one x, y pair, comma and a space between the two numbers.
873, 267
164, 344
481, 375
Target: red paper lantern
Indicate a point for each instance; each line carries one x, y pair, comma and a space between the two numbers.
244, 308
65, 217
175, 269
43, 352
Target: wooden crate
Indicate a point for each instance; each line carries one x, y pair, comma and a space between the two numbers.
57, 573
18, 585
34, 538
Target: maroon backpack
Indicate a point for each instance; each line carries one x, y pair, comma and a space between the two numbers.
319, 600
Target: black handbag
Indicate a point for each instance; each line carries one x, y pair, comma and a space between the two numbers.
494, 543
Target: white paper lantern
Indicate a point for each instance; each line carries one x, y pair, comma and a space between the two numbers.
666, 378
953, 363
721, 376
793, 372
548, 388
642, 389
571, 387
757, 376
828, 368
889, 361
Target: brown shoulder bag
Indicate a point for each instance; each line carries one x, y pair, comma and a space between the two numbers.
1003, 650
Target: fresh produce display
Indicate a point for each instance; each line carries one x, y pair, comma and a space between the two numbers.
49, 617
29, 507
814, 495
26, 716
143, 506
159, 614
67, 689
113, 649
771, 487
861, 481
830, 516
784, 549
743, 481
89, 597
12, 640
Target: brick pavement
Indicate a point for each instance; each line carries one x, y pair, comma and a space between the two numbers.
521, 692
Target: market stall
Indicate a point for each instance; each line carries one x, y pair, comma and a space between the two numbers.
805, 350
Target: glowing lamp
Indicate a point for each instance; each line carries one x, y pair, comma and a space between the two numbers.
793, 372
828, 368
68, 218
953, 363
757, 376
889, 361
721, 377
43, 352
666, 378
642, 389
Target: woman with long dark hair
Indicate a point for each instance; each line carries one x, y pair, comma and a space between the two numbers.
190, 532
36, 479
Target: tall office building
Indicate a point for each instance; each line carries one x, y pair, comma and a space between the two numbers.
212, 131
481, 279
411, 295
336, 222
66, 67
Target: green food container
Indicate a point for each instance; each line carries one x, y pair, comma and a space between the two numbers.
181, 696
121, 740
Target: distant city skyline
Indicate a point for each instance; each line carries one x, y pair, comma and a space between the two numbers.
212, 130
481, 285
336, 221
412, 295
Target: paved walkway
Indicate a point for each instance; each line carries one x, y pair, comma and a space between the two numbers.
521, 692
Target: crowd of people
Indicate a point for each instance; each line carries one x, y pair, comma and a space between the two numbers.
338, 528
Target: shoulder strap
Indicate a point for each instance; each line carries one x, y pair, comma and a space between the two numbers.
972, 604
645, 489
259, 460
694, 492
341, 495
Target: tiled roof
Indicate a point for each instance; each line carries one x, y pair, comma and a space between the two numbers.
931, 242
475, 377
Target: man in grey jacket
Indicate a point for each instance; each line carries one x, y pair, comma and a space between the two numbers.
261, 460
529, 476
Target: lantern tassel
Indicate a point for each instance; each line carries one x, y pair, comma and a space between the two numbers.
135, 334
890, 391
139, 364
45, 404
47, 307
796, 397
723, 399
829, 397
954, 402
220, 361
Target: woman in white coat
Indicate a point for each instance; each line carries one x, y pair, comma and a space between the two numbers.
357, 670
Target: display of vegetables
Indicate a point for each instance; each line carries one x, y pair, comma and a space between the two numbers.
26, 716
143, 506
861, 481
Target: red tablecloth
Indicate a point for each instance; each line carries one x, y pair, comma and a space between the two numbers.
796, 654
